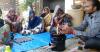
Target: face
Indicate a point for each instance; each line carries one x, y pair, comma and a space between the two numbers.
88, 7
60, 12
46, 11
12, 12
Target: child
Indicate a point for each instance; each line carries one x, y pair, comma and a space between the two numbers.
57, 37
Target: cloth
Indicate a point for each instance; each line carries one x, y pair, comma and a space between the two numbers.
31, 12
91, 24
47, 20
17, 27
35, 24
92, 43
39, 40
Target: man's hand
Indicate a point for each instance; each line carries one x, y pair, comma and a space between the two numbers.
67, 30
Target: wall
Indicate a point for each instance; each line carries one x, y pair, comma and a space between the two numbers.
7, 4
77, 15
53, 3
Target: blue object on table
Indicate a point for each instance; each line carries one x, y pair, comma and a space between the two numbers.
69, 36
38, 41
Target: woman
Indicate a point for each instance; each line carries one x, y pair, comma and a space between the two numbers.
35, 24
13, 21
57, 38
47, 18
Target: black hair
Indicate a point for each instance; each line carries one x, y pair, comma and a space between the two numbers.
96, 3
60, 11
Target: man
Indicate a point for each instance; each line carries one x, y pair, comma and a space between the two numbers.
89, 30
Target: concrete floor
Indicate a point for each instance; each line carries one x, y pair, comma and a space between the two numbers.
70, 44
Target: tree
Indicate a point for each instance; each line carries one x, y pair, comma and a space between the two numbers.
23, 6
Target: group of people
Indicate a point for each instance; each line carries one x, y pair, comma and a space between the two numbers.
89, 30
62, 23
37, 24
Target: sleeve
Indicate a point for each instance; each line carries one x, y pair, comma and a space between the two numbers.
47, 20
38, 28
83, 25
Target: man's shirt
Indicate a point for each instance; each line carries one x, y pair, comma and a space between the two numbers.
91, 23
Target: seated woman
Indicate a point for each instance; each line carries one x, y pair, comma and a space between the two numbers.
57, 38
35, 24
47, 18
14, 21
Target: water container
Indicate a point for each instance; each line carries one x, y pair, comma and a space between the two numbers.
7, 49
